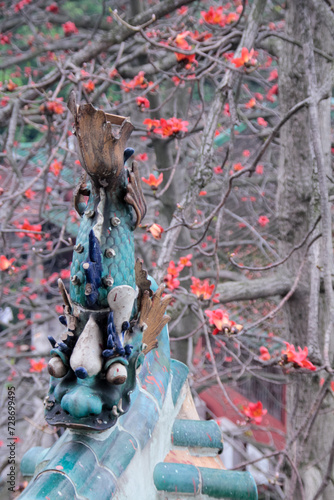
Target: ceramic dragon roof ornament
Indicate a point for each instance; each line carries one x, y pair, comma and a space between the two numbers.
111, 315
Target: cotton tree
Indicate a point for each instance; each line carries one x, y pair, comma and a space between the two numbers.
231, 107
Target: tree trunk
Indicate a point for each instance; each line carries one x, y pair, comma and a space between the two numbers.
298, 206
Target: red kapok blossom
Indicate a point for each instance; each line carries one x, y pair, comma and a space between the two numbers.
214, 16
251, 103
262, 122
5, 39
56, 167
156, 230
182, 10
246, 58
69, 28
218, 170
169, 127
30, 194
299, 359
51, 107
263, 220
29, 227
142, 102
138, 81
265, 354
185, 261
255, 411
171, 282
202, 289
5, 263
89, 86
153, 181
151, 123
37, 365
11, 86
141, 157
181, 42
65, 274
52, 8
220, 319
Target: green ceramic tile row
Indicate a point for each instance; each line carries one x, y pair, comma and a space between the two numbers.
179, 373
47, 482
177, 478
197, 434
195, 481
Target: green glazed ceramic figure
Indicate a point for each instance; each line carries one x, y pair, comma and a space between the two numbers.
111, 315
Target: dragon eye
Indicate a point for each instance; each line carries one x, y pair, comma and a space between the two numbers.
116, 374
56, 367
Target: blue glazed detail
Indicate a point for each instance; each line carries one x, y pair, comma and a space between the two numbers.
120, 238
128, 152
94, 271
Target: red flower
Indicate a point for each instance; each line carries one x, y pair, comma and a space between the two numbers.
214, 16
138, 81
246, 58
151, 123
30, 194
262, 122
5, 39
142, 102
237, 167
153, 181
182, 43
182, 10
185, 261
52, 8
263, 220
69, 28
32, 227
156, 230
170, 127
65, 274
220, 319
37, 366
259, 169
273, 75
272, 92
11, 86
56, 167
5, 263
255, 411
53, 107
299, 359
141, 157
265, 355
89, 86
19, 6
171, 282
251, 103
202, 289
218, 170
173, 270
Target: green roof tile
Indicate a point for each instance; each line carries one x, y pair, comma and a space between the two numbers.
215, 483
197, 434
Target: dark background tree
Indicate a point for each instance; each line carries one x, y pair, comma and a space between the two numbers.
231, 104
